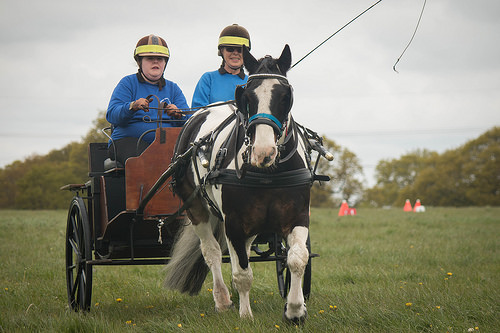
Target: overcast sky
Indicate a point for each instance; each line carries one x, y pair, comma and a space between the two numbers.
61, 59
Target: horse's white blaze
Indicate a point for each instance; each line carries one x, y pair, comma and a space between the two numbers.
298, 255
264, 149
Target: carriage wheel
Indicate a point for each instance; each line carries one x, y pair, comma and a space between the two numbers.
78, 252
283, 273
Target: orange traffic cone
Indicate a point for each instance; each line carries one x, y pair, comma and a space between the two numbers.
417, 204
407, 207
344, 208
419, 208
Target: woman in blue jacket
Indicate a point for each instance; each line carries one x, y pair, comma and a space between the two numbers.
128, 110
219, 85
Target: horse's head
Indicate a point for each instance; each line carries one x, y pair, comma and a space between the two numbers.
265, 102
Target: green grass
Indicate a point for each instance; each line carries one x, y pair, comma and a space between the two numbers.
445, 262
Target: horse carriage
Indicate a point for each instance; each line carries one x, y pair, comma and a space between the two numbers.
231, 185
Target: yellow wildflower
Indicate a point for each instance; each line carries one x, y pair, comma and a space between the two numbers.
119, 300
408, 304
179, 325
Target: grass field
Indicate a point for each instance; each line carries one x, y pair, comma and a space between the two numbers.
379, 271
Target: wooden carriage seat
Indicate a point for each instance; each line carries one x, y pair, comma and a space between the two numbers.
143, 171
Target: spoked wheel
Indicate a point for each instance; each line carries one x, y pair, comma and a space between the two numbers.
78, 252
283, 272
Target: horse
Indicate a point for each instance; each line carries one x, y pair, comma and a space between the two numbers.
249, 174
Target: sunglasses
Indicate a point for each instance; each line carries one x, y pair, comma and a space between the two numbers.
231, 49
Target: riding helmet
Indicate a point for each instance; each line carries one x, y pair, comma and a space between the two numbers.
234, 35
151, 46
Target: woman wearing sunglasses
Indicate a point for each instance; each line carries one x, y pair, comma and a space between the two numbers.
219, 85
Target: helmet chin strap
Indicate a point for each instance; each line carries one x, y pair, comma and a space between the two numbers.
234, 68
148, 79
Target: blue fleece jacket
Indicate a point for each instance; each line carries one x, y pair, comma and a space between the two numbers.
128, 123
216, 87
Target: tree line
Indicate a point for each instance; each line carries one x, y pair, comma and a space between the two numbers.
35, 182
466, 176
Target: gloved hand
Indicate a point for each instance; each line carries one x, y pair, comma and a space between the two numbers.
173, 111
140, 104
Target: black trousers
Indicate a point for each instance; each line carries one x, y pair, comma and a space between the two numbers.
125, 148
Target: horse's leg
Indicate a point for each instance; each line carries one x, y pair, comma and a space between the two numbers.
298, 255
242, 275
212, 254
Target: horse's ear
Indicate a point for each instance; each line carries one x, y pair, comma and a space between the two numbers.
238, 96
285, 60
250, 62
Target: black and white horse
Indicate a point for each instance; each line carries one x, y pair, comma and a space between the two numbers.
249, 175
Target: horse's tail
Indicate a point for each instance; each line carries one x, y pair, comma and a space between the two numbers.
187, 270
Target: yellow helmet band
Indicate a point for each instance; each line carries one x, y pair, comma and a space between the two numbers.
231, 40
160, 49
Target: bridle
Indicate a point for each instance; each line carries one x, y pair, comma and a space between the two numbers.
280, 127
263, 118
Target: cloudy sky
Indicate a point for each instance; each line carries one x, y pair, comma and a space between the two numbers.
61, 59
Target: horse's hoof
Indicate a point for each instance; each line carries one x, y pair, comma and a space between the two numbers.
295, 320
230, 306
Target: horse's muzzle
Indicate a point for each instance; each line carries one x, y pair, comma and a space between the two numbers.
263, 157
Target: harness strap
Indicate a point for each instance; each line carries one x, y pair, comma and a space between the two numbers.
240, 172
184, 206
287, 139
267, 76
209, 139
268, 119
262, 180
202, 187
